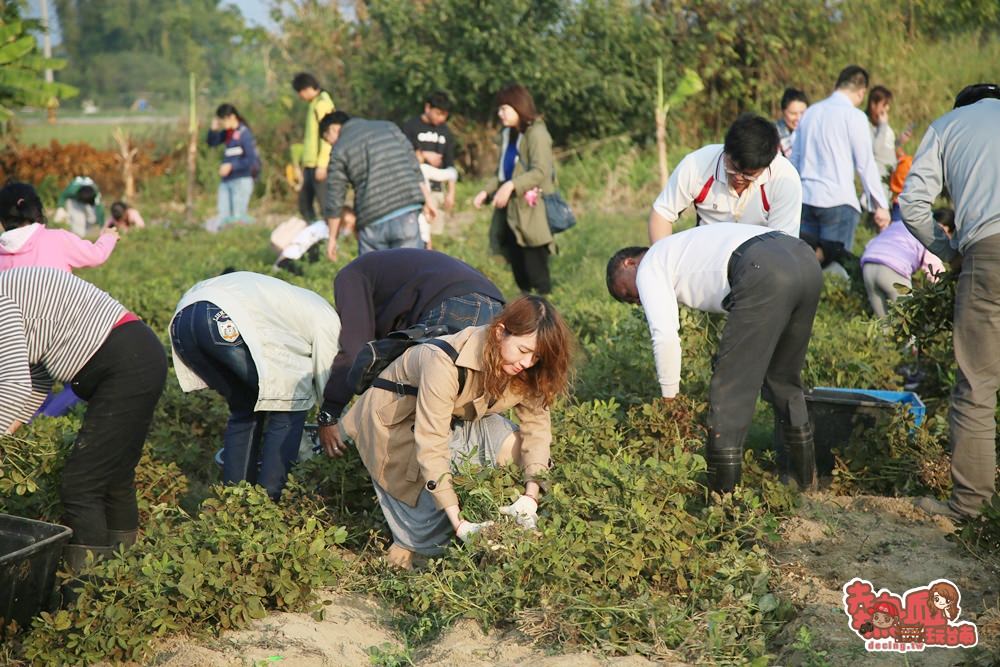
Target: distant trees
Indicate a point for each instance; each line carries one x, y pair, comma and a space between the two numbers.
121, 48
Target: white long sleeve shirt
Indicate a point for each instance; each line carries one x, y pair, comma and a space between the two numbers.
773, 200
831, 142
688, 267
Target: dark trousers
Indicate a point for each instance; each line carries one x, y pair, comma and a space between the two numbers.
775, 288
121, 383
270, 439
311, 190
530, 265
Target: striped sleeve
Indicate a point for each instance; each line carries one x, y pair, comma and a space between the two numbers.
15, 372
65, 319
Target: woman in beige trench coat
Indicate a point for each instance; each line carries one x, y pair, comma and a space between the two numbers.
520, 361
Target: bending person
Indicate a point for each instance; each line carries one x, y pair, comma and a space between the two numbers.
57, 327
388, 290
409, 443
26, 241
267, 347
769, 283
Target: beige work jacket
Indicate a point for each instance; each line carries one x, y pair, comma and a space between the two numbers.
403, 440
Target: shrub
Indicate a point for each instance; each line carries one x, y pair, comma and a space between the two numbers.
57, 164
897, 458
628, 555
242, 556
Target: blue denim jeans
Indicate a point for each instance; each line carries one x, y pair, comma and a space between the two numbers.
207, 340
234, 199
467, 310
836, 223
403, 231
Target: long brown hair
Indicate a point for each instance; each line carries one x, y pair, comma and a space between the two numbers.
949, 593
549, 376
876, 95
518, 98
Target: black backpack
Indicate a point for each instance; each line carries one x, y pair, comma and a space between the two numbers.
376, 356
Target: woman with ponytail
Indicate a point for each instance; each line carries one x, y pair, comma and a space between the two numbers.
240, 164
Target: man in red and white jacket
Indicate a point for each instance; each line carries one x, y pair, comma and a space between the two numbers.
744, 180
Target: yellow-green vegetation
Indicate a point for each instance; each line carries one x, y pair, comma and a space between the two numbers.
96, 133
629, 555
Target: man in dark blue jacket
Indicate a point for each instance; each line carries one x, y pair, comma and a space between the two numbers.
389, 290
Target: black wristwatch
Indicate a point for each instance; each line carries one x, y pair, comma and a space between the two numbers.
324, 418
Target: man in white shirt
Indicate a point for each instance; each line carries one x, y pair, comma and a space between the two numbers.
769, 283
831, 143
743, 180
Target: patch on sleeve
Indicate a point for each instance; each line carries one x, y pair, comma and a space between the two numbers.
227, 328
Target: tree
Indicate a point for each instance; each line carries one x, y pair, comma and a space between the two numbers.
118, 48
22, 67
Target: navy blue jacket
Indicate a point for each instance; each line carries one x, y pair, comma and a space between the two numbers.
241, 151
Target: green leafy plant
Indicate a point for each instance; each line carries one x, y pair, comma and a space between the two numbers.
243, 555
896, 458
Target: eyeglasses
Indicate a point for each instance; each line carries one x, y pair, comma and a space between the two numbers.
749, 176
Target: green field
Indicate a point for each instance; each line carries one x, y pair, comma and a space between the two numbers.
94, 130
630, 556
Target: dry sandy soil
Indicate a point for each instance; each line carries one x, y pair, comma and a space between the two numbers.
831, 540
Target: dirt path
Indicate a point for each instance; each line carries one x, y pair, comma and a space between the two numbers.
831, 540
887, 541
352, 631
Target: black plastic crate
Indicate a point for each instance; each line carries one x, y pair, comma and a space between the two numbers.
835, 413
29, 554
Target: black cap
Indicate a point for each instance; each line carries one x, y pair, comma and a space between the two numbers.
975, 92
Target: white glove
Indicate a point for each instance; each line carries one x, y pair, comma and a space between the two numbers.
524, 510
466, 529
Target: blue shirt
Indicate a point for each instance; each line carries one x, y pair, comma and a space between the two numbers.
833, 141
509, 158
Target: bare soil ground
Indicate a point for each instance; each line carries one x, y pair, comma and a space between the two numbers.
889, 542
352, 630
829, 541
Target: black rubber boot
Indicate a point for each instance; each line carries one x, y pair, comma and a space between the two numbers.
725, 461
801, 452
75, 555
290, 266
126, 538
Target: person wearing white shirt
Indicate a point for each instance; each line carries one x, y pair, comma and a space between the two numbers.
769, 283
831, 143
743, 180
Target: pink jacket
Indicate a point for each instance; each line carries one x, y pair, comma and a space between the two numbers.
35, 245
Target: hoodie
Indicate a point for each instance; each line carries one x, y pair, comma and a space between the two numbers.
36, 245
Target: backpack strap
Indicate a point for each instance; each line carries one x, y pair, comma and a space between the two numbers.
410, 390
704, 190
446, 347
